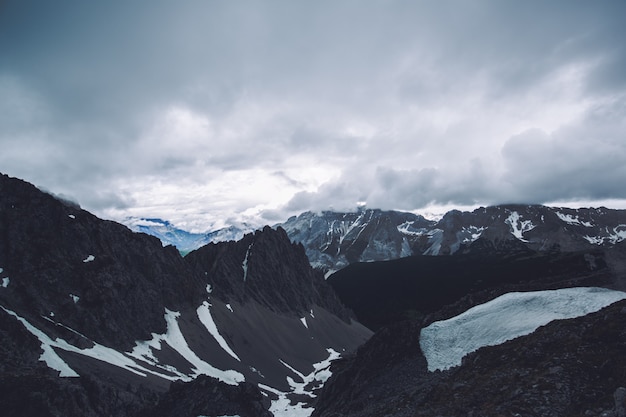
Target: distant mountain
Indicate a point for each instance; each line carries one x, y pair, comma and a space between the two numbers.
183, 240
335, 240
96, 320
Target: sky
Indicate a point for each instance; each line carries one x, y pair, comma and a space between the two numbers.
208, 113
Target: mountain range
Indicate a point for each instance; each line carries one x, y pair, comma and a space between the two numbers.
506, 310
334, 240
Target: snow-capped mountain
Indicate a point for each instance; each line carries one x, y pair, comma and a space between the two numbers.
335, 240
183, 240
96, 320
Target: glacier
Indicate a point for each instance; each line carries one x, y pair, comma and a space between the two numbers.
445, 343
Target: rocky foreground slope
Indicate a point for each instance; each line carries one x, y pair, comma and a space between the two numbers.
96, 320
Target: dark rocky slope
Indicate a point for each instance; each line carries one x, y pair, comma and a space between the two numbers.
238, 272
91, 298
567, 368
382, 293
52, 250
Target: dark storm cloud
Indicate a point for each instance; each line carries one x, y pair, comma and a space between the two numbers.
400, 104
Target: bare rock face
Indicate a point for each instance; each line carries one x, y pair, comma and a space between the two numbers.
268, 268
62, 262
205, 396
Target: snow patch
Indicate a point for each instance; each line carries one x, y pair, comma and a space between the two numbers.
229, 308
572, 220
49, 356
71, 216
74, 298
244, 264
90, 258
445, 343
472, 233
204, 314
617, 235
174, 337
5, 282
303, 320
282, 407
435, 238
518, 226
209, 289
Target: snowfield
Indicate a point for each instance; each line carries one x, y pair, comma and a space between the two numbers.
445, 343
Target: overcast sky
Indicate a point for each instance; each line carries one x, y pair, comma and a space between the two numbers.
208, 112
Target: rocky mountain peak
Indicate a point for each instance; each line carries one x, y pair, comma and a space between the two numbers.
66, 264
265, 266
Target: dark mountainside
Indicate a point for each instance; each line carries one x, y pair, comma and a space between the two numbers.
382, 293
567, 368
84, 296
295, 286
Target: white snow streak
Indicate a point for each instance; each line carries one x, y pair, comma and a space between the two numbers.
569, 219
518, 226
244, 265
228, 306
303, 320
282, 407
142, 351
49, 356
174, 337
204, 314
71, 216
618, 235
445, 343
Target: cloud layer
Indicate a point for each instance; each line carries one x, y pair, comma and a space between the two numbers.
209, 112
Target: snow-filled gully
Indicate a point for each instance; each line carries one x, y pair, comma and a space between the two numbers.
141, 360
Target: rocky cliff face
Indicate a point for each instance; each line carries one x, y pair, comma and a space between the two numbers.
335, 240
64, 264
268, 268
97, 320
